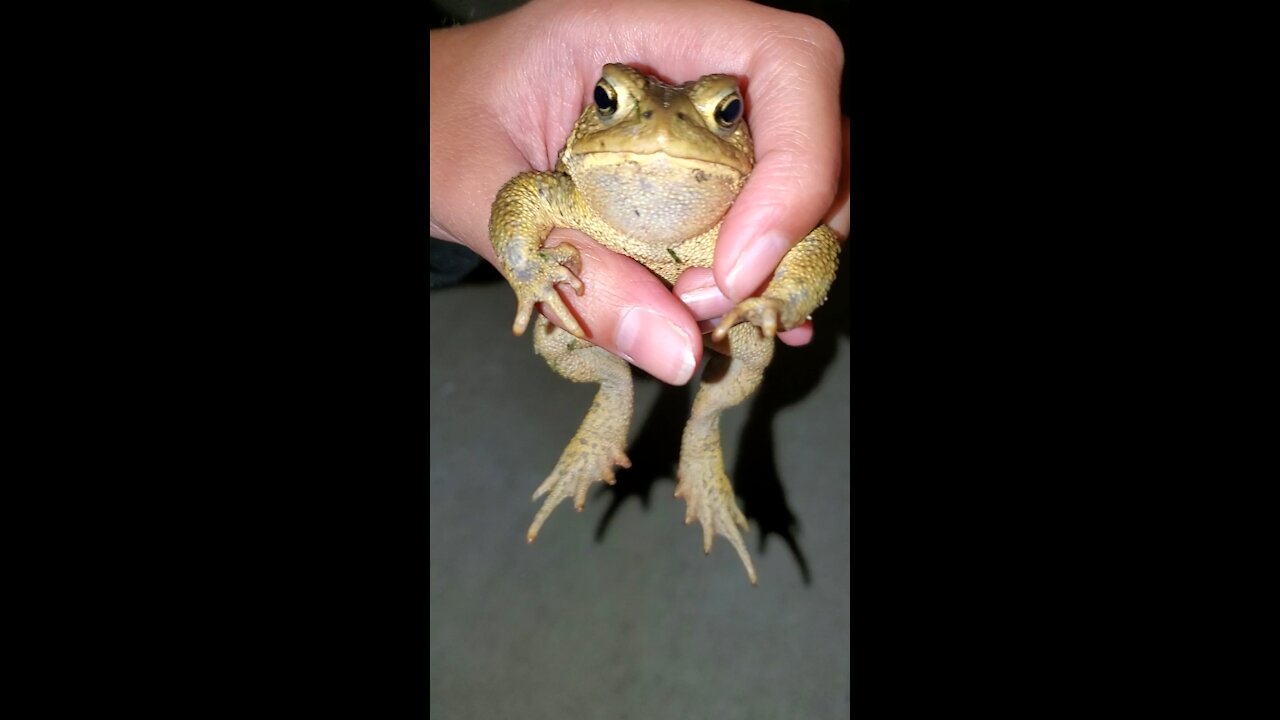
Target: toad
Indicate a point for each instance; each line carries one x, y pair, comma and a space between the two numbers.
649, 171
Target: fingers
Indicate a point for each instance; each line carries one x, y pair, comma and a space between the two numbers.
697, 289
544, 512
553, 305
701, 291
566, 319
524, 309
799, 335
838, 218
628, 311
796, 125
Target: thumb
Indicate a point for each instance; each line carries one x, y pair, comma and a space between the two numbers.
626, 310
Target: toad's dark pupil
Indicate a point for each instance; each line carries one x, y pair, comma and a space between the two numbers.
729, 111
604, 101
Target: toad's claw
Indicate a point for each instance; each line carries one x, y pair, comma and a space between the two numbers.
706, 489
763, 312
535, 282
580, 465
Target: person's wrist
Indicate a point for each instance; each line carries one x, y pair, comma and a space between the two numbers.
456, 142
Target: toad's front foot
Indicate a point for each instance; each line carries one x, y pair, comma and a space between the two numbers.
581, 464
763, 312
534, 278
702, 483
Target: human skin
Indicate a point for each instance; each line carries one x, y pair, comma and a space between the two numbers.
505, 94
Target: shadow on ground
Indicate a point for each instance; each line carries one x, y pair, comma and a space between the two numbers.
792, 375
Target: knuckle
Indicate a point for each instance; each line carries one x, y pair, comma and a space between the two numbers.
822, 37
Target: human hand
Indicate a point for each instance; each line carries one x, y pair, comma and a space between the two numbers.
506, 92
698, 288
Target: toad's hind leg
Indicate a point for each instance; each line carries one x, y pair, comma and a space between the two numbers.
702, 481
601, 440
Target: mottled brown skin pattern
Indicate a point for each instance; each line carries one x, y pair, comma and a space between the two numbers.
650, 174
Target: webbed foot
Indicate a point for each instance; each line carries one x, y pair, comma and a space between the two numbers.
703, 485
581, 464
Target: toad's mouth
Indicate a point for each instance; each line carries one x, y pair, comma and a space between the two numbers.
662, 160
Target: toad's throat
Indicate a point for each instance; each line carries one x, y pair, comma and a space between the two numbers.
653, 197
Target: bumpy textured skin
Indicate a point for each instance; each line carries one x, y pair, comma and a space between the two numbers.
650, 177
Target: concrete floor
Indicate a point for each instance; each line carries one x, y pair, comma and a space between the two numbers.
616, 612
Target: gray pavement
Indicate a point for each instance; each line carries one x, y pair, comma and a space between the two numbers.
616, 612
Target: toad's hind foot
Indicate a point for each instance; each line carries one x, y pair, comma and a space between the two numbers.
601, 440
703, 485
581, 464
726, 381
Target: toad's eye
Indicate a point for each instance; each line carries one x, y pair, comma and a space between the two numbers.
729, 110
606, 100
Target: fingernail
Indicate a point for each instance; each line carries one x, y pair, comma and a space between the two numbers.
657, 345
705, 300
764, 251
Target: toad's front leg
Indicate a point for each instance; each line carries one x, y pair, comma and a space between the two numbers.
798, 287
525, 210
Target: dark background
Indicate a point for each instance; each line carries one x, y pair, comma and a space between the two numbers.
234, 385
